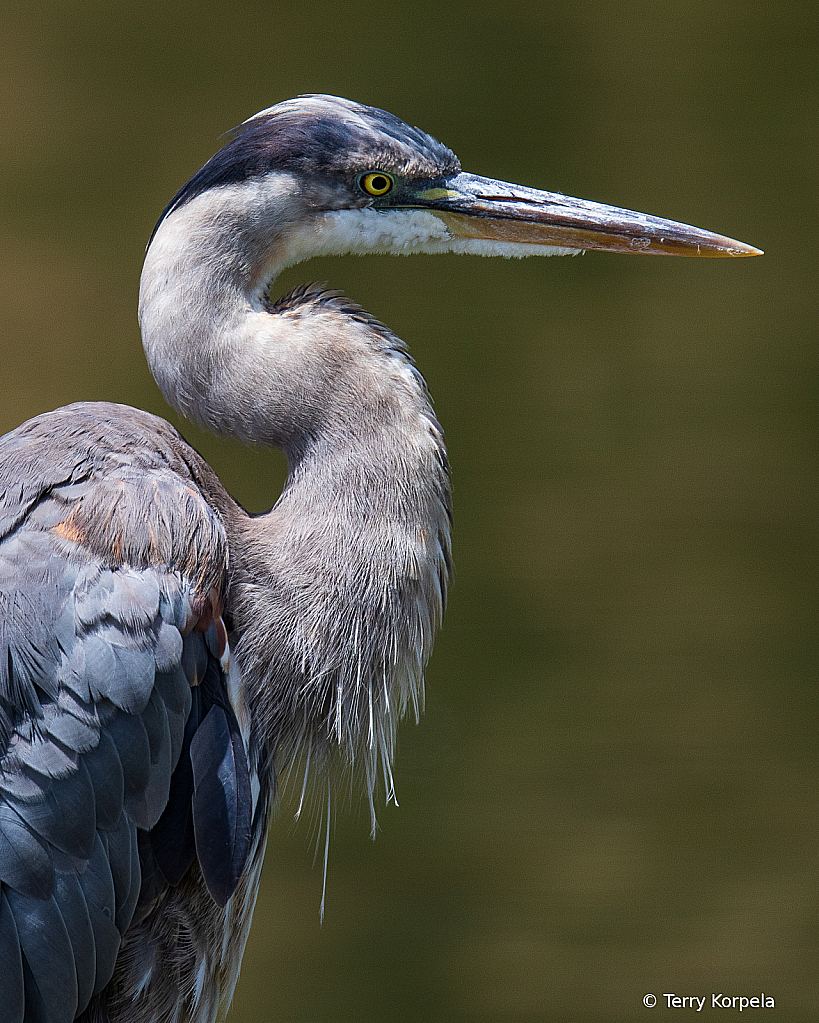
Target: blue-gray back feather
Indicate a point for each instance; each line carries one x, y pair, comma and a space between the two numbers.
111, 559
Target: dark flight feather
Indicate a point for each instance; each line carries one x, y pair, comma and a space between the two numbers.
221, 801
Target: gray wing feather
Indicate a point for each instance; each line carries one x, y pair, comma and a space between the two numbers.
65, 816
70, 899
108, 557
26, 858
14, 997
97, 883
121, 850
48, 958
105, 770
130, 737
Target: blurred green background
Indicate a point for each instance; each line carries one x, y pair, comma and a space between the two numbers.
614, 789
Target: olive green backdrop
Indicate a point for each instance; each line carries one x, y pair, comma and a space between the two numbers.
614, 789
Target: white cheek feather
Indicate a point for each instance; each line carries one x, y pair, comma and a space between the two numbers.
400, 232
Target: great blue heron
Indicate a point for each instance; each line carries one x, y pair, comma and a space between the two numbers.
162, 652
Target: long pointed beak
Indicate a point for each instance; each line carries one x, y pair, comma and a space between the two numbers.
497, 211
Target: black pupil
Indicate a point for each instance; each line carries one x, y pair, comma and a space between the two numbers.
378, 183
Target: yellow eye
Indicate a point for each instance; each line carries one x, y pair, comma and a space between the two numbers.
376, 183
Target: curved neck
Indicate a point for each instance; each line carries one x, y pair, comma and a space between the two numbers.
337, 591
227, 358
201, 311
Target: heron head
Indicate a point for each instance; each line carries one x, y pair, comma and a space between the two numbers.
394, 188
